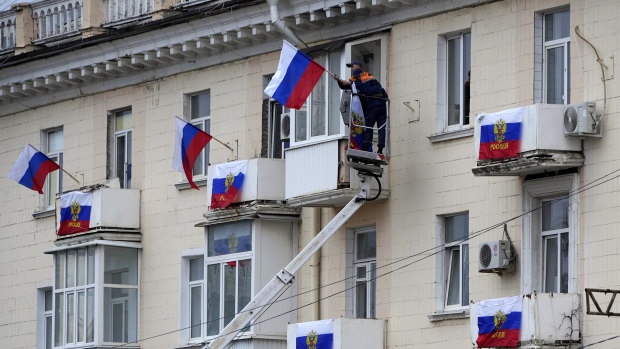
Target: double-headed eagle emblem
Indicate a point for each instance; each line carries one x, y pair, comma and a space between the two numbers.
230, 178
499, 128
498, 319
75, 210
311, 339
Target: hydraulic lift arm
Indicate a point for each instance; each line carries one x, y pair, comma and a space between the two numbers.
285, 276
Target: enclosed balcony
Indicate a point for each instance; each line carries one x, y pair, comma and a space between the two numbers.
346, 333
545, 143
547, 320
114, 215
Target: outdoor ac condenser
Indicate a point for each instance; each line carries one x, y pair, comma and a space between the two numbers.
580, 119
494, 256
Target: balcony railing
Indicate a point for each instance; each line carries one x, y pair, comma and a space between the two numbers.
57, 18
121, 10
7, 30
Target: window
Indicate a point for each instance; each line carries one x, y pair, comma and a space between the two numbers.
229, 272
552, 57
192, 296
76, 281
44, 317
549, 256
52, 143
200, 116
276, 126
120, 164
453, 81
452, 288
196, 278
365, 265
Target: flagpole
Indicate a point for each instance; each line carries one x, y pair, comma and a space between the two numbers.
222, 143
69, 174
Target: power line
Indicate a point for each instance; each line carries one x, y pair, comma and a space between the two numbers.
438, 249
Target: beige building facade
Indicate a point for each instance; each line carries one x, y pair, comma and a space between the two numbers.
95, 86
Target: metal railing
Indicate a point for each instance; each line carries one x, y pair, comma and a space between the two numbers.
57, 18
120, 10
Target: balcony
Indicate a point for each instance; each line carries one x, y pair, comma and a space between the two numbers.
348, 334
57, 19
7, 31
544, 146
115, 215
547, 320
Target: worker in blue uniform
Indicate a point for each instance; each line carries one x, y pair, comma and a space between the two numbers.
373, 98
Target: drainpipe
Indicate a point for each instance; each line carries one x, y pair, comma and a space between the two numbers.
315, 265
279, 23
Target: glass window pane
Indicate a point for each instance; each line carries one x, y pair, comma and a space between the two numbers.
55, 141
373, 290
213, 299
199, 160
454, 81
555, 75
465, 275
48, 332
564, 263
90, 315
120, 158
276, 140
120, 266
196, 269
454, 278
201, 105
369, 53
80, 316
557, 25
361, 272
70, 317
551, 264
120, 314
81, 266
123, 120
365, 245
334, 98
300, 123
91, 265
59, 319
360, 299
466, 76
70, 268
244, 291
229, 238
457, 227
318, 102
229, 291
60, 270
195, 311
48, 300
128, 161
555, 214
51, 186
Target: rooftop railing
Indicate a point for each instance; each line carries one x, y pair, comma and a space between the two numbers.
57, 18
7, 30
122, 10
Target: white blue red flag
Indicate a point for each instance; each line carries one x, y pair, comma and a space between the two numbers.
499, 322
227, 181
356, 129
75, 212
500, 134
295, 78
31, 168
315, 334
190, 140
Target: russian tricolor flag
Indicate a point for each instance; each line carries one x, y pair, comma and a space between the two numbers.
227, 181
500, 134
75, 212
499, 322
31, 168
295, 78
315, 334
190, 140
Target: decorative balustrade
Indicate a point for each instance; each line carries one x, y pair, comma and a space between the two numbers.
120, 10
57, 18
7, 30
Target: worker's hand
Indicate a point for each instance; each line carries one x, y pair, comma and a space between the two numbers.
336, 77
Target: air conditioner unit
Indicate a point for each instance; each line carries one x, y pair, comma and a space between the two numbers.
494, 256
285, 126
580, 119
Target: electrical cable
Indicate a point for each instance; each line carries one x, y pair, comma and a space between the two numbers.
439, 249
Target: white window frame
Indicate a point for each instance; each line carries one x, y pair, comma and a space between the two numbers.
221, 260
43, 315
48, 199
203, 122
548, 45
370, 264
127, 133
185, 297
351, 273
534, 192
443, 84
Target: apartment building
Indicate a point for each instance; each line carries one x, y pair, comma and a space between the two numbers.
95, 85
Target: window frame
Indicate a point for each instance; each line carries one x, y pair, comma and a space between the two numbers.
370, 264
462, 79
114, 136
47, 201
553, 44
534, 193
43, 315
274, 129
185, 297
448, 254
221, 260
203, 122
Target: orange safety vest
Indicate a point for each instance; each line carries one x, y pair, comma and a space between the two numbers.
365, 76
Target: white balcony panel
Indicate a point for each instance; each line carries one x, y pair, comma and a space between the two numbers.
263, 181
546, 319
312, 169
350, 334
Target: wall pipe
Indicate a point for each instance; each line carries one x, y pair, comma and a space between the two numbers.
279, 23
